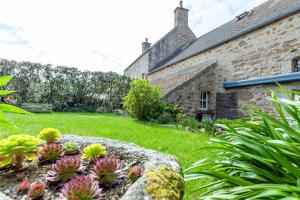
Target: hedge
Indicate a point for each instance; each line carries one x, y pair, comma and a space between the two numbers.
66, 88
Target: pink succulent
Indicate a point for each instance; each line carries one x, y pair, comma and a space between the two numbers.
81, 187
24, 186
36, 190
135, 172
65, 168
107, 171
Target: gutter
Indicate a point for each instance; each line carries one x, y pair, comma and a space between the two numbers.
282, 78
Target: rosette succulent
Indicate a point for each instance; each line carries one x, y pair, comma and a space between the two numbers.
50, 152
93, 152
24, 186
50, 135
81, 187
65, 168
135, 172
36, 191
107, 171
71, 148
16, 148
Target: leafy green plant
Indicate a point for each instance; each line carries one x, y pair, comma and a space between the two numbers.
143, 101
50, 135
65, 168
209, 127
50, 152
82, 187
255, 159
16, 148
7, 108
173, 109
165, 118
93, 152
188, 123
71, 148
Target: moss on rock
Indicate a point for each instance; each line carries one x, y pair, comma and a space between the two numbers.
165, 183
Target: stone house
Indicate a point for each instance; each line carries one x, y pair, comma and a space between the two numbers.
215, 75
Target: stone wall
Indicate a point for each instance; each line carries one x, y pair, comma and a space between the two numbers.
260, 96
138, 68
187, 95
267, 51
169, 44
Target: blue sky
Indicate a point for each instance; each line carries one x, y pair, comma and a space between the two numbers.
99, 34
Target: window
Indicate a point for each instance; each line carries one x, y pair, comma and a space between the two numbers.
296, 65
296, 96
204, 101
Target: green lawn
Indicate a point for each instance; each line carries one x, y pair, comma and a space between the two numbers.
180, 143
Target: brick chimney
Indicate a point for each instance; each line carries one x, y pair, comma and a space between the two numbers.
181, 15
145, 45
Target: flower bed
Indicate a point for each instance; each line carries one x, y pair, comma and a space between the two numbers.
107, 169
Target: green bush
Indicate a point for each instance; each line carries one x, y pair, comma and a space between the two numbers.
143, 100
165, 118
173, 109
209, 127
189, 123
255, 159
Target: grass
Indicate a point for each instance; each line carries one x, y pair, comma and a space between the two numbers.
180, 143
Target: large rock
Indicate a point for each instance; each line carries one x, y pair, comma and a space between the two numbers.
151, 159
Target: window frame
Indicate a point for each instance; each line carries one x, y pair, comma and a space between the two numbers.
296, 64
203, 100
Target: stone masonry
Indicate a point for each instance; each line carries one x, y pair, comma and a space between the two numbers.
267, 51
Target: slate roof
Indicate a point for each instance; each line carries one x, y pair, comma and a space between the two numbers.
264, 14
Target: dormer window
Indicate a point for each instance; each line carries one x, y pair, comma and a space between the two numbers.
296, 65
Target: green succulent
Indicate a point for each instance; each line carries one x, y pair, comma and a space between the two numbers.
50, 135
16, 148
93, 152
71, 148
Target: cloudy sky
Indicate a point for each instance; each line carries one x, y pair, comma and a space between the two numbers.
104, 35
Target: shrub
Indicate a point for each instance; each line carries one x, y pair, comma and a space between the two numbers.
143, 100
173, 109
189, 123
50, 135
16, 148
36, 191
165, 118
71, 148
135, 172
209, 127
50, 152
107, 171
65, 168
7, 108
93, 152
258, 158
82, 187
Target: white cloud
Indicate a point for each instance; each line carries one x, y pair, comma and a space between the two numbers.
97, 34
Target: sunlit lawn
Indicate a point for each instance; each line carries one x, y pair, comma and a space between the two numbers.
180, 143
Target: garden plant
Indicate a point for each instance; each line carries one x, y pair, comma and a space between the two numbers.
256, 158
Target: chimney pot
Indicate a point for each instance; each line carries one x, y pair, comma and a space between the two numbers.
146, 40
181, 4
